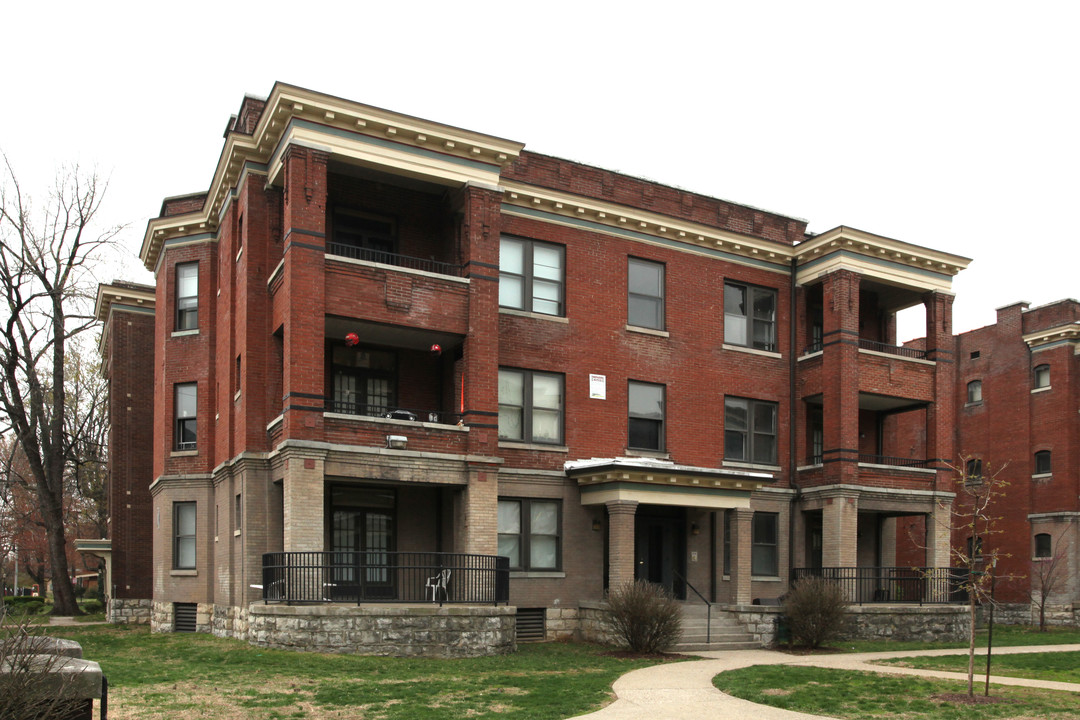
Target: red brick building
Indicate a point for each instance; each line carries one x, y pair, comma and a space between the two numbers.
378, 335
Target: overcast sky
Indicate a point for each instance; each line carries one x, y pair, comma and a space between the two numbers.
953, 125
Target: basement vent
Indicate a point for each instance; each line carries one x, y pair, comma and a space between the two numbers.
530, 625
184, 617
975, 354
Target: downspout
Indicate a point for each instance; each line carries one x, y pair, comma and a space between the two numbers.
792, 462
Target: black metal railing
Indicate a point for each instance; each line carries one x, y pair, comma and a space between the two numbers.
708, 607
881, 347
393, 412
897, 585
813, 347
385, 577
389, 258
894, 461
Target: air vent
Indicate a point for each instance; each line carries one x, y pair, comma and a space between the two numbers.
530, 625
184, 617
975, 354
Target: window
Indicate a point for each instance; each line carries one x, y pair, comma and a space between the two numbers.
750, 316
646, 410
364, 381
185, 404
187, 296
239, 511
362, 236
974, 391
975, 354
184, 535
974, 548
529, 534
531, 276
645, 294
973, 472
764, 558
1043, 545
1042, 376
1042, 463
750, 431
530, 406
729, 517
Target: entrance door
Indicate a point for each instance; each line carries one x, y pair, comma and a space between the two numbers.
660, 548
814, 538
361, 536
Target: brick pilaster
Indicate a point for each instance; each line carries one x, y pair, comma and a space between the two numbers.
303, 489
741, 556
941, 414
840, 528
621, 542
480, 512
840, 373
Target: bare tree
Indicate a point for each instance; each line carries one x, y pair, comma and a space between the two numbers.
1048, 574
45, 301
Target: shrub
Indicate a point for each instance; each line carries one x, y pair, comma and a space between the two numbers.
645, 616
815, 609
31, 686
92, 607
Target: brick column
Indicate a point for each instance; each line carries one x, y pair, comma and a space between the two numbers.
840, 528
939, 534
303, 487
741, 556
621, 542
303, 291
840, 377
479, 519
941, 414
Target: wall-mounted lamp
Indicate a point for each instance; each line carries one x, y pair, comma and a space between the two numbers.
694, 529
596, 525
396, 442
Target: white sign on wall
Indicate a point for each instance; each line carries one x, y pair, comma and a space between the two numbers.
598, 387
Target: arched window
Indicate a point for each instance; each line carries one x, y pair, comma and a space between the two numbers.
1042, 376
1043, 545
1042, 463
973, 471
975, 391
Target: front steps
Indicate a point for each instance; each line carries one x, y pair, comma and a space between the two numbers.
727, 633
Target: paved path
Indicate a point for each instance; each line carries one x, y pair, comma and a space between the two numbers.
684, 691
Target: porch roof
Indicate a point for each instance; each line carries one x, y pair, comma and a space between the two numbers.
662, 482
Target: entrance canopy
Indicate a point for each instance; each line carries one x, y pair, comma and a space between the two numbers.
662, 482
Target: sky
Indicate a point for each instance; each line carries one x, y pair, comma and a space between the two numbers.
952, 125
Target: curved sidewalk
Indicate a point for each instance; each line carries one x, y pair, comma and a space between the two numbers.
678, 691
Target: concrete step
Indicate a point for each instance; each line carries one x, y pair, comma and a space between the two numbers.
703, 646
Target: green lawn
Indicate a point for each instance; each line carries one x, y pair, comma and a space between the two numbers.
851, 694
1058, 666
177, 675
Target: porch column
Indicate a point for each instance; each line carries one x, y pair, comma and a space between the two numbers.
621, 542
941, 414
741, 556
840, 530
939, 533
303, 487
480, 512
840, 377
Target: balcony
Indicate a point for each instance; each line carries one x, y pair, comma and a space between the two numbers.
439, 417
394, 259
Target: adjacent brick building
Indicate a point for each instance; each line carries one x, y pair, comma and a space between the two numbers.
377, 334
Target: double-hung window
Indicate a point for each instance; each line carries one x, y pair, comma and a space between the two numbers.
750, 316
1042, 376
187, 296
186, 405
531, 276
645, 406
1043, 465
645, 294
1044, 547
974, 391
184, 535
764, 558
750, 431
529, 533
530, 406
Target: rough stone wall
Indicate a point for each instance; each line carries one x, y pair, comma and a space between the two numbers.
447, 632
124, 611
230, 621
562, 623
761, 621
927, 623
595, 624
1067, 615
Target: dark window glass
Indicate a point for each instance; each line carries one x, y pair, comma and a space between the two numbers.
750, 316
750, 431
646, 411
645, 301
764, 558
1043, 545
973, 471
1042, 462
364, 381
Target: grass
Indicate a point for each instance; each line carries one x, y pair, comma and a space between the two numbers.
851, 694
1057, 666
1004, 636
178, 675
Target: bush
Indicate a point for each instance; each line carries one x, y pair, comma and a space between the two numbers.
92, 607
32, 686
815, 609
645, 616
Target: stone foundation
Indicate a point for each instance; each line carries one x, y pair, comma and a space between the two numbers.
128, 611
594, 624
451, 631
561, 623
926, 623
1067, 615
161, 617
761, 621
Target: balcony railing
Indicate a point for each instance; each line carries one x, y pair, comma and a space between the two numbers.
389, 258
393, 412
893, 461
881, 347
379, 576
897, 585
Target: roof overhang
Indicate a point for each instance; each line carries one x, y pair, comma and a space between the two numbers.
1068, 334
888, 261
661, 482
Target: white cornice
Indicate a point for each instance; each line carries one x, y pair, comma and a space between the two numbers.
1069, 333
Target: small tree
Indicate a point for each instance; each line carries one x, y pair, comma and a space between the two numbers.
645, 616
815, 609
1048, 574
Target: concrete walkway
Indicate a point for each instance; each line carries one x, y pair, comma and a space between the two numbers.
684, 691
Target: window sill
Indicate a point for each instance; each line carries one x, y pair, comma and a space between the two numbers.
657, 454
185, 333
749, 466
536, 574
236, 396
751, 351
765, 578
807, 356
648, 331
236, 533
533, 315
511, 445
977, 403
1042, 476
183, 453
184, 573
1040, 390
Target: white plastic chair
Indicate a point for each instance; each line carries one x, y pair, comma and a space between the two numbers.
438, 583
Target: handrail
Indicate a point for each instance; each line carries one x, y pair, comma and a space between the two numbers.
708, 606
388, 258
900, 350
